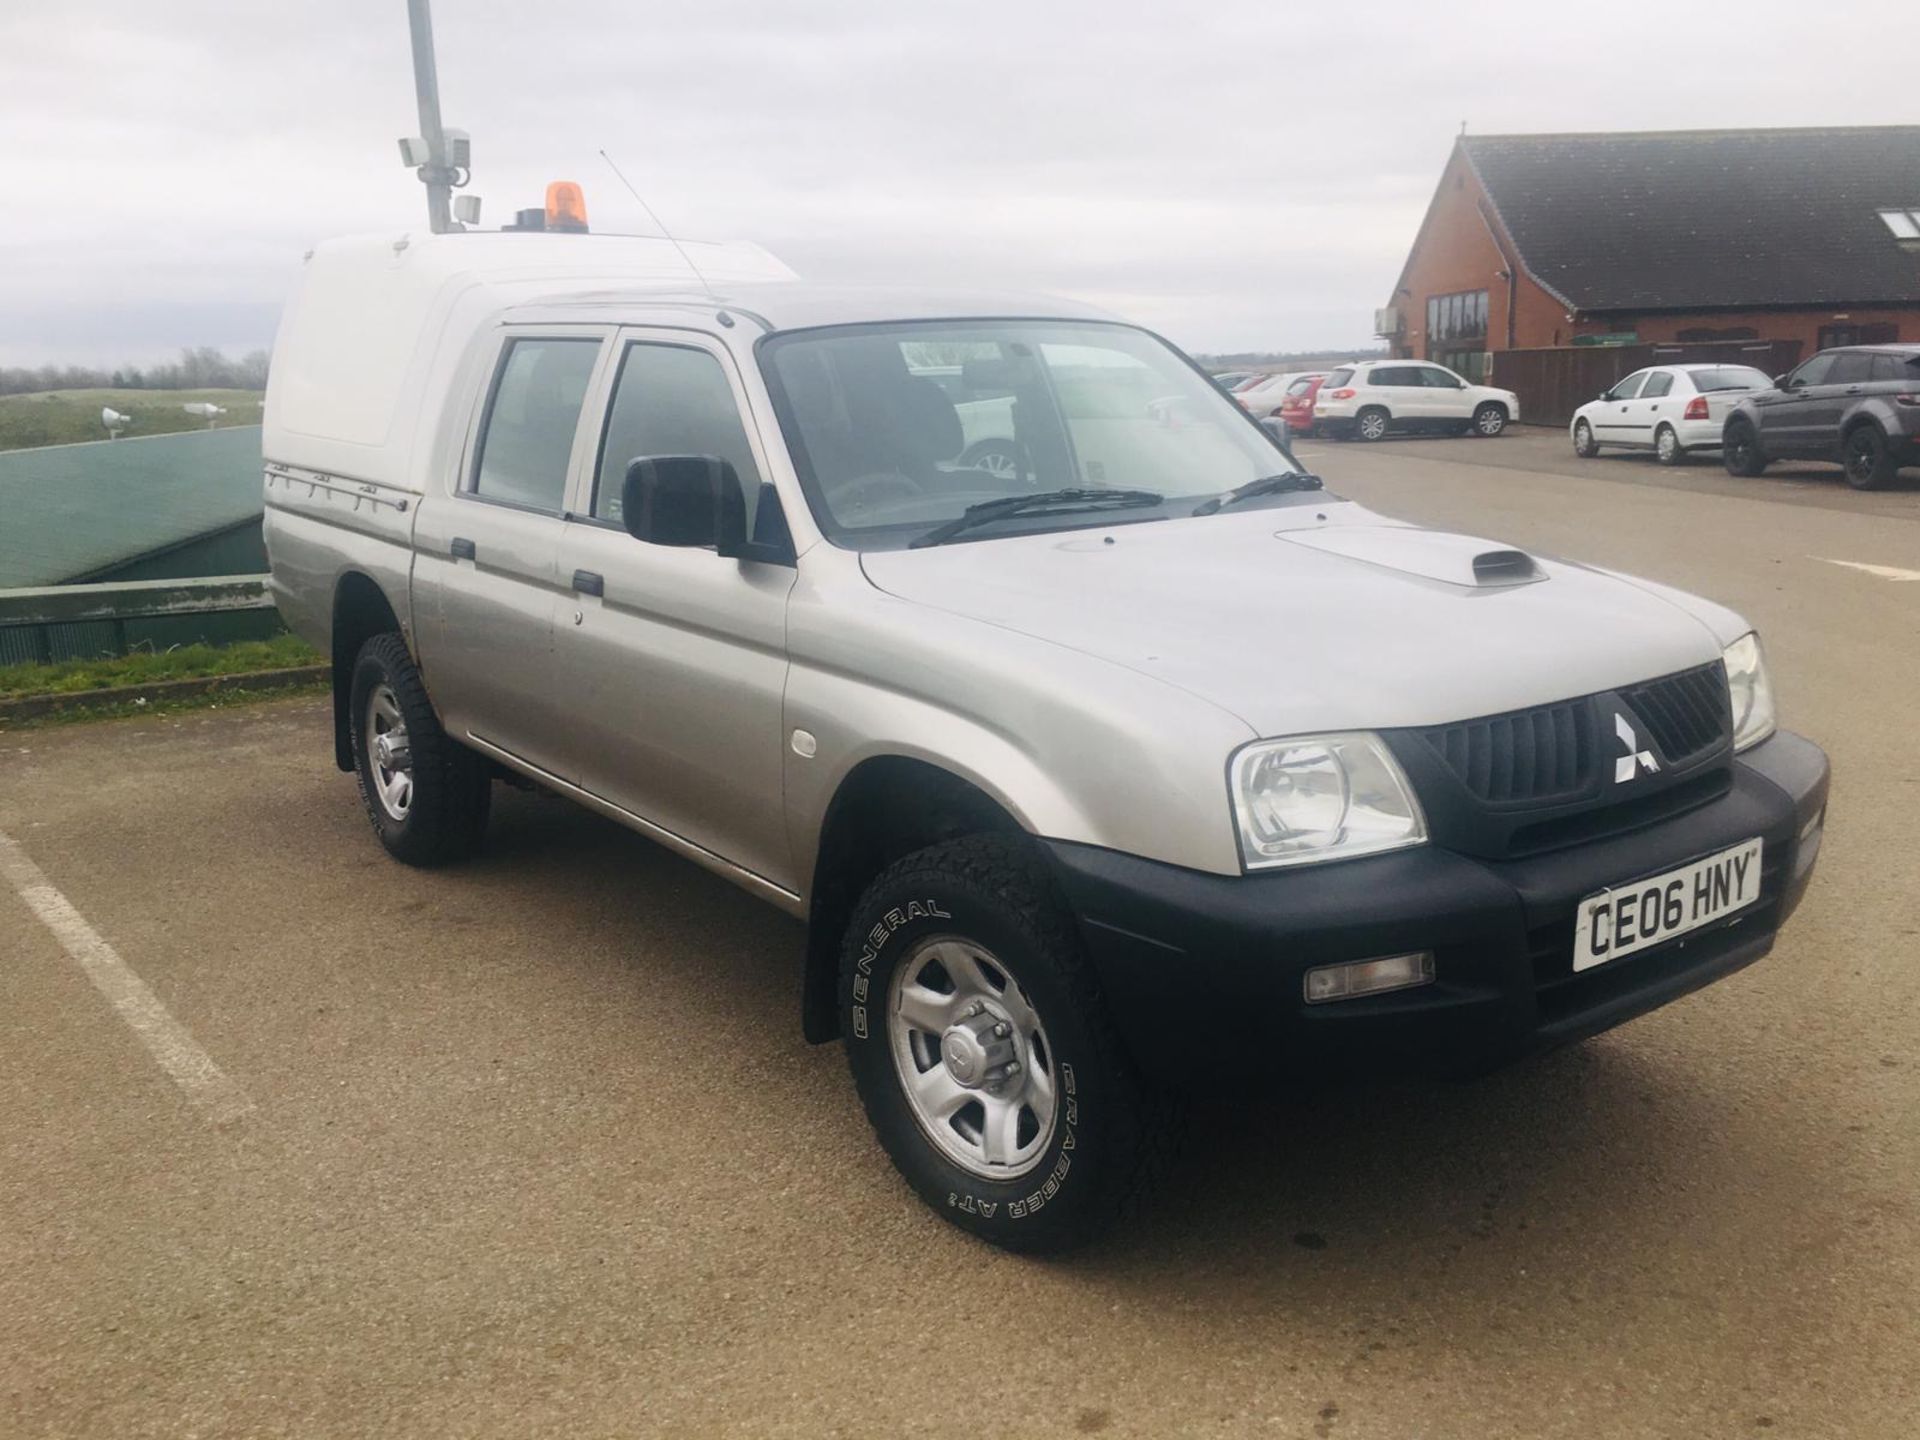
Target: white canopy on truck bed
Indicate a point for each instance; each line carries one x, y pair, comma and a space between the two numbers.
377, 325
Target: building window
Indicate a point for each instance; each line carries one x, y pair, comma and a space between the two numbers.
1457, 317
1470, 363
1905, 224
1857, 334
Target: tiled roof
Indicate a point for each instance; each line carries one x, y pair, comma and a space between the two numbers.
1708, 218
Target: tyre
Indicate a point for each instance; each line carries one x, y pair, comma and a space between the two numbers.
1584, 445
1740, 450
980, 1046
426, 794
1489, 420
1667, 448
1371, 423
1869, 465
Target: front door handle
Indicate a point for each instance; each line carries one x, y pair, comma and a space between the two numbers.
462, 548
586, 582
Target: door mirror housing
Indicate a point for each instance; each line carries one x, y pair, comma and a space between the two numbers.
695, 502
1276, 426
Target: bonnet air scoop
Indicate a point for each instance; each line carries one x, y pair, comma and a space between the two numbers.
1504, 567
1430, 554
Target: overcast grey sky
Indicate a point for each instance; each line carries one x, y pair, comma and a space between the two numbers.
1239, 175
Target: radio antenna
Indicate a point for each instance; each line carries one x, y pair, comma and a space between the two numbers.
711, 292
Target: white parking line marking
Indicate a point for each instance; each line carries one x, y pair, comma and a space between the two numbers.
1885, 572
166, 1039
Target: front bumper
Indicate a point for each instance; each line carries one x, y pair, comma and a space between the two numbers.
1205, 972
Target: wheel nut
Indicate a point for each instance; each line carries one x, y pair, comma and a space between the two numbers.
1003, 1030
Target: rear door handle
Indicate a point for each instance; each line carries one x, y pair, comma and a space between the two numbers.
462, 548
586, 582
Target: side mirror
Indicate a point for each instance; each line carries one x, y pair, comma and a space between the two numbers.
685, 500
1780, 382
1276, 426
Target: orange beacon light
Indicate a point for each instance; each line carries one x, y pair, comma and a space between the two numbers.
566, 207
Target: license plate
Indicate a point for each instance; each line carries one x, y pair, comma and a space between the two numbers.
1626, 918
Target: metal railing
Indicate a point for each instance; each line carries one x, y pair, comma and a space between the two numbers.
83, 622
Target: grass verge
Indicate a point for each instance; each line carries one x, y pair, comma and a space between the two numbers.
185, 662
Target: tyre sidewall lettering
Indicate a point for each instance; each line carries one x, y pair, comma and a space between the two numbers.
876, 949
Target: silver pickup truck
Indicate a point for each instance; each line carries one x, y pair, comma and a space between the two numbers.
1105, 757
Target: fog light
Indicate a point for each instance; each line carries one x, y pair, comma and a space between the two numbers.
1368, 977
1811, 835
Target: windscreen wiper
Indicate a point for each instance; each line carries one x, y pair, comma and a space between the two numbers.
1054, 502
1265, 485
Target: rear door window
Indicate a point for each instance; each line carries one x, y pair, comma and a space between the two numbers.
1659, 383
1851, 367
526, 440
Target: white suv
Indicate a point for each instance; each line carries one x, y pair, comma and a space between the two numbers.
1376, 397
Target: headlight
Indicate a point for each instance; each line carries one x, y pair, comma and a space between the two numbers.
1321, 797
1750, 690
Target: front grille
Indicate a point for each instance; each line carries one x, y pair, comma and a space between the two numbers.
1687, 714
1525, 757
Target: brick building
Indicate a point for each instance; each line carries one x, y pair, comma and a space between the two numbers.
1536, 241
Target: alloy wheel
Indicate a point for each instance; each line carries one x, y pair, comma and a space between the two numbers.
972, 1058
389, 752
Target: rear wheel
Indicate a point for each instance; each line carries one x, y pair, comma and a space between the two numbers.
1869, 464
1740, 451
980, 1046
1371, 423
1584, 445
1490, 420
1667, 448
426, 794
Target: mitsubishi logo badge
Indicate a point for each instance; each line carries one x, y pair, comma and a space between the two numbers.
1628, 765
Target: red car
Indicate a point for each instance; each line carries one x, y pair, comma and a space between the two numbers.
1296, 408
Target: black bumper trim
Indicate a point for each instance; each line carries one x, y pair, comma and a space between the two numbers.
1205, 972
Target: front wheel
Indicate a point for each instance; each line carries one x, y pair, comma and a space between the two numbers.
426, 794
1740, 451
1667, 448
1584, 445
1490, 420
1869, 465
981, 1050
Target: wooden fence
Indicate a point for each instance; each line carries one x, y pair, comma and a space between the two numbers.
1553, 383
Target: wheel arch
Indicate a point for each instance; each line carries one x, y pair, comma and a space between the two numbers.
360, 611
885, 808
1857, 420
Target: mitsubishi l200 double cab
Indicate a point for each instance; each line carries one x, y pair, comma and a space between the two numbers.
1103, 753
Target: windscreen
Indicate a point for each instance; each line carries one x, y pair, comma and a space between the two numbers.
899, 428
1731, 377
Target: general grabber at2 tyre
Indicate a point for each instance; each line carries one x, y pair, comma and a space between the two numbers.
426, 794
982, 1052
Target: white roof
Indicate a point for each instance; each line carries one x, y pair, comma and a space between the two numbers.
378, 324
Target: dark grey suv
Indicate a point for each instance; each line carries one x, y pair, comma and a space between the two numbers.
1858, 407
